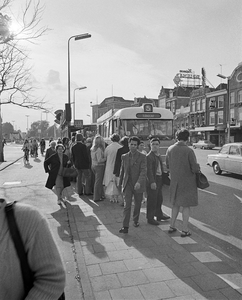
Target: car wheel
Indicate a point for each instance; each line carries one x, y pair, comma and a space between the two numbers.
216, 169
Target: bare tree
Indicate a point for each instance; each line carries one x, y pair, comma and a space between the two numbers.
15, 77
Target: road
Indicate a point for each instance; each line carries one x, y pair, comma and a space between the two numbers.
218, 219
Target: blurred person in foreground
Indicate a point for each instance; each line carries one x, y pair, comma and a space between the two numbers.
42, 253
98, 167
182, 164
54, 166
154, 184
133, 181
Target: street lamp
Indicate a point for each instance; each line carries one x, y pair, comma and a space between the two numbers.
27, 123
76, 37
228, 115
74, 100
90, 118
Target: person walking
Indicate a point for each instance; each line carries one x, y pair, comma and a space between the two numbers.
110, 155
154, 184
42, 254
51, 150
132, 181
89, 188
98, 167
35, 148
42, 146
182, 164
54, 166
80, 160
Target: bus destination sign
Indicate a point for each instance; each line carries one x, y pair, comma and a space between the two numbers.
148, 115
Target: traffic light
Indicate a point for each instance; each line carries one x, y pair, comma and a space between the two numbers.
58, 116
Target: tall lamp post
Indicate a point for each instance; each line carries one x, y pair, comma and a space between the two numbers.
74, 100
228, 114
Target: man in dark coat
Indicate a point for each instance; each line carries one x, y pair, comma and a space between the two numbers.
154, 184
81, 162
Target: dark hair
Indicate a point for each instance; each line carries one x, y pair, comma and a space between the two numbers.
58, 146
155, 140
134, 138
124, 141
115, 137
182, 134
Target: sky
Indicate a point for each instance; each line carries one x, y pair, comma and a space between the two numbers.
136, 47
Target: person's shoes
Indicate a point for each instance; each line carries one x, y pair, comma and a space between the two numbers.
124, 230
185, 233
98, 200
153, 222
136, 224
172, 229
164, 218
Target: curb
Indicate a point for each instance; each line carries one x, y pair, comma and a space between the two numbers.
10, 163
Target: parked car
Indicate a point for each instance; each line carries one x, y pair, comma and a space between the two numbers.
228, 159
203, 144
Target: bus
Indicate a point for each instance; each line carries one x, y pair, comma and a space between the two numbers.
142, 121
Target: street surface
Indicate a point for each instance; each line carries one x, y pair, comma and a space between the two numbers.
147, 263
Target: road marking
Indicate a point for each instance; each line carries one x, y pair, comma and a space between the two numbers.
240, 199
208, 192
12, 182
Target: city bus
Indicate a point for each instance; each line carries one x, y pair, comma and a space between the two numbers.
142, 121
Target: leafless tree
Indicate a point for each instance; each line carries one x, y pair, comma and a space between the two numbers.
16, 86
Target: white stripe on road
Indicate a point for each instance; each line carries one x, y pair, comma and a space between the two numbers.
12, 182
208, 192
240, 199
204, 227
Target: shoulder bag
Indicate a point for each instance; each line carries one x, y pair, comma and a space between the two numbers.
28, 276
202, 181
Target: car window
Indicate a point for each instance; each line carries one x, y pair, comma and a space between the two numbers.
224, 149
234, 150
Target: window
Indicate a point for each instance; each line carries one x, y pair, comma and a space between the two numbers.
234, 150
212, 103
221, 101
203, 104
231, 113
240, 113
224, 150
193, 106
240, 96
212, 118
232, 100
220, 117
198, 105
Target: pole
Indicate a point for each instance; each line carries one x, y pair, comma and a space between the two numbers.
229, 116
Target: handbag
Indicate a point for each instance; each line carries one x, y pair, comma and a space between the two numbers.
166, 179
27, 274
202, 181
69, 172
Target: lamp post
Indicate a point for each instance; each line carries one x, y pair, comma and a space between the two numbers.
27, 123
228, 114
74, 100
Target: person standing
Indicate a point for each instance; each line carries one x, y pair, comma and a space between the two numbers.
133, 181
80, 160
91, 178
26, 149
154, 184
54, 166
110, 154
182, 164
98, 167
42, 146
51, 150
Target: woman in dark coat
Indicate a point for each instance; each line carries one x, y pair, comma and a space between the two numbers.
182, 164
54, 166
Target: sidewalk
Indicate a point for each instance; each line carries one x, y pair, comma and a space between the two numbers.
147, 263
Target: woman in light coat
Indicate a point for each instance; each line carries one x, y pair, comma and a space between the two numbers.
182, 164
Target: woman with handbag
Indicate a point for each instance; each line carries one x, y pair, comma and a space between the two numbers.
54, 166
182, 164
98, 167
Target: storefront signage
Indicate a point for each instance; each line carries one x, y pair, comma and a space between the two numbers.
148, 115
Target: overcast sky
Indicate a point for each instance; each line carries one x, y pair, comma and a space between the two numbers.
136, 47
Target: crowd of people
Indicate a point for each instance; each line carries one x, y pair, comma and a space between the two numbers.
124, 172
